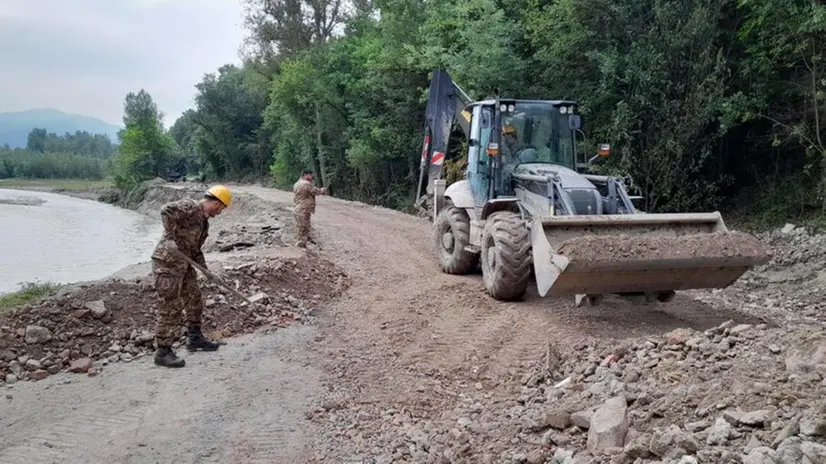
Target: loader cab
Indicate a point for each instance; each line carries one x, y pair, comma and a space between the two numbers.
531, 131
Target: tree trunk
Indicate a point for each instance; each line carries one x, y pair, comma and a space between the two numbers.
322, 157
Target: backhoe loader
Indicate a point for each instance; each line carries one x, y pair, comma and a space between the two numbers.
527, 206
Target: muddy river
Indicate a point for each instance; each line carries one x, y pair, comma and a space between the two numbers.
47, 237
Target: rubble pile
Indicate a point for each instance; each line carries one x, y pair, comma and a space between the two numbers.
737, 393
114, 320
265, 229
750, 393
788, 287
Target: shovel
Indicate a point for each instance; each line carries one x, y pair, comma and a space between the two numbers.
213, 277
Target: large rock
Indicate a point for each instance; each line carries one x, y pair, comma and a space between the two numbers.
97, 308
761, 455
807, 357
81, 366
814, 451
562, 456
582, 419
789, 451
36, 334
814, 426
671, 439
678, 336
609, 425
719, 433
557, 418
756, 418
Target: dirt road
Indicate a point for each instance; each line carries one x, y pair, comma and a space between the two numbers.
406, 341
408, 337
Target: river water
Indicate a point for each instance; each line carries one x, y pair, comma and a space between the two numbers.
47, 237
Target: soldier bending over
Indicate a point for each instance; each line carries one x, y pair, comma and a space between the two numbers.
186, 228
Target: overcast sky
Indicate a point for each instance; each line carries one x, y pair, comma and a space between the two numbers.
84, 56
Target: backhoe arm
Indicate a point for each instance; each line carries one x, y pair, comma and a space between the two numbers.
446, 102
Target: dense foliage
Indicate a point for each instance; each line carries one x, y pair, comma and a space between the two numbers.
704, 101
50, 156
37, 165
83, 143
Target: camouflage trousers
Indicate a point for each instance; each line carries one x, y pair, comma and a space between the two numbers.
302, 224
178, 293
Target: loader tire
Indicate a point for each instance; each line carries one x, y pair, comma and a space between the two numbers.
506, 256
451, 232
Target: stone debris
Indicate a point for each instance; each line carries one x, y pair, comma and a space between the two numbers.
747, 390
609, 425
113, 321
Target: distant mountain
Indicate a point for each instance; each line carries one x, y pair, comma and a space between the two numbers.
15, 127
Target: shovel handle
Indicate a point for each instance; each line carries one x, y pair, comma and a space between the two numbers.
213, 277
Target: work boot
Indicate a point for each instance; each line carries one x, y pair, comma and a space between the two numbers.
195, 340
166, 357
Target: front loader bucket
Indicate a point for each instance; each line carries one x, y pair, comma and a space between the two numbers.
590, 255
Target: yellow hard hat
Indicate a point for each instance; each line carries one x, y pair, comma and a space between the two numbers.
222, 193
508, 129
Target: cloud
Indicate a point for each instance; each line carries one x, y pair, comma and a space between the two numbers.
83, 56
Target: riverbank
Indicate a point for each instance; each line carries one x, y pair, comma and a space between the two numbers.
246, 244
78, 188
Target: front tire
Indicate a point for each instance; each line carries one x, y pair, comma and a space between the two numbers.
506, 256
451, 232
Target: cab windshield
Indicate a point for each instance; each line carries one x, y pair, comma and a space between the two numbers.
537, 133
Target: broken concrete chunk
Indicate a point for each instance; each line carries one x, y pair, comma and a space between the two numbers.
609, 425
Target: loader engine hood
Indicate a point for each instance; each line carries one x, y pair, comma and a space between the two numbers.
584, 195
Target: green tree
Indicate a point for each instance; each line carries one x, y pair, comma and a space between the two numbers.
229, 116
145, 150
37, 140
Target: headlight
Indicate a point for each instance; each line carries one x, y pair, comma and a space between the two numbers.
503, 107
563, 109
511, 108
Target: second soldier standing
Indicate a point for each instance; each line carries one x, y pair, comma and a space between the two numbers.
304, 205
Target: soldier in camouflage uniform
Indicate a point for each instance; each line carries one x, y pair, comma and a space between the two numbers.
186, 228
304, 205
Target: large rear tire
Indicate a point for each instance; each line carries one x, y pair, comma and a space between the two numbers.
451, 232
506, 256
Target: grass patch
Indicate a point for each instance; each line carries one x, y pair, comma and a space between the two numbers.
31, 291
66, 185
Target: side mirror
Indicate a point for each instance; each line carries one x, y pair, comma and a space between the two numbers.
574, 121
603, 150
473, 142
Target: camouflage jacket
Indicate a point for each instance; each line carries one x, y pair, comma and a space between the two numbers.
304, 198
183, 222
